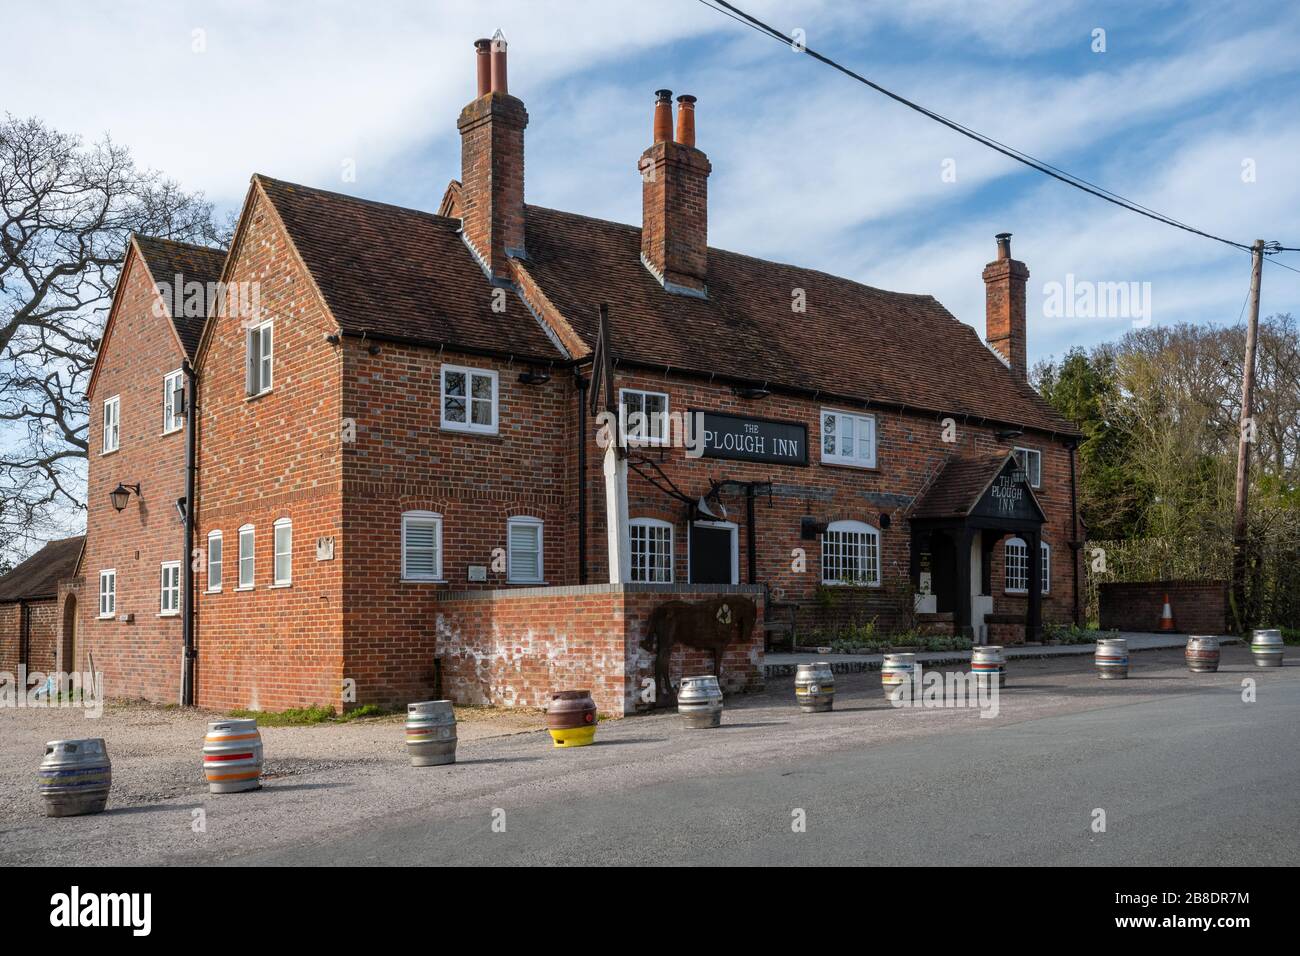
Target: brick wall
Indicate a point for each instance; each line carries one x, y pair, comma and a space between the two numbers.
42, 638
140, 658
274, 456
1199, 607
513, 648
910, 451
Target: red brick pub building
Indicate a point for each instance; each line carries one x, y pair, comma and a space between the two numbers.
399, 488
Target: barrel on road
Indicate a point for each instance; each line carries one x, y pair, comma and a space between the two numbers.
571, 718
987, 663
232, 756
699, 701
1266, 647
1202, 654
814, 687
431, 733
1112, 658
75, 777
896, 671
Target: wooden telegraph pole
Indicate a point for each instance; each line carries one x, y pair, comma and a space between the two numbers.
1245, 439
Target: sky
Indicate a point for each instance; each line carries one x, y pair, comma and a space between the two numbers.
809, 167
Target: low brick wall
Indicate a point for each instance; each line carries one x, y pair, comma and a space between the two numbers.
1005, 629
512, 648
1199, 607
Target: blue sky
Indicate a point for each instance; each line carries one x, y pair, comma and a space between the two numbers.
808, 167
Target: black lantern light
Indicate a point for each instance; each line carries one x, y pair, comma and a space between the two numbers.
121, 495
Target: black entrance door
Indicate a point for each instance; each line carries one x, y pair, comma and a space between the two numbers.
710, 555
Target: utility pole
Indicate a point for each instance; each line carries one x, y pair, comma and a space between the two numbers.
1245, 439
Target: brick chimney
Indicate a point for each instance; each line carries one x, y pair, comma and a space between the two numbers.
674, 200
1004, 307
492, 163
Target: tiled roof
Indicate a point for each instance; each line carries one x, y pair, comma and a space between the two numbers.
39, 576
390, 271
853, 341
166, 259
398, 272
959, 486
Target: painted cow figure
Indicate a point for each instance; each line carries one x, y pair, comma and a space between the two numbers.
704, 625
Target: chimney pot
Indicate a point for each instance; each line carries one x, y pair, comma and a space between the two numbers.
686, 120
1004, 245
499, 63
663, 118
483, 61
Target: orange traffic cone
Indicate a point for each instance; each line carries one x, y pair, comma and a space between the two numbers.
1167, 616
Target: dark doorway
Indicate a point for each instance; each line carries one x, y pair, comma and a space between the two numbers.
712, 554
943, 562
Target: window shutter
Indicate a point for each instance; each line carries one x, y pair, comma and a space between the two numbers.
420, 558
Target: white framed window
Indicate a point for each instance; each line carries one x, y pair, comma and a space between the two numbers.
421, 546
112, 423
848, 439
851, 554
1017, 566
169, 602
1045, 551
524, 550
246, 557
1030, 461
107, 593
643, 416
651, 544
469, 399
214, 560
173, 402
261, 351
282, 542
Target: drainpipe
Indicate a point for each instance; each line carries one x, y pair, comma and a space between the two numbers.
187, 566
582, 476
1076, 546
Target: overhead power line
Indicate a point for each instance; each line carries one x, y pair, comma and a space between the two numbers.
1078, 182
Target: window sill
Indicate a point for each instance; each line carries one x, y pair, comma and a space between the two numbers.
174, 431
281, 587
249, 588
832, 463
212, 591
111, 451
492, 432
528, 584
424, 580
850, 584
169, 613
261, 394
106, 617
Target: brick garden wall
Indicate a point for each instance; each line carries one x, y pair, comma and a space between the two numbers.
1199, 607
513, 648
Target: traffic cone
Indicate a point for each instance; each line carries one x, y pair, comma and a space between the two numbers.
1167, 616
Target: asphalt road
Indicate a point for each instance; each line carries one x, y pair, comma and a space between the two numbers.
1186, 778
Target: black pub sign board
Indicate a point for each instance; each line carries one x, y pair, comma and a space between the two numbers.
755, 439
1009, 497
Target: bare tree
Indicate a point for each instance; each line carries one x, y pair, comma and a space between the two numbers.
67, 211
